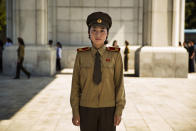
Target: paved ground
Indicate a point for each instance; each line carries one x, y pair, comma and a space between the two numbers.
42, 104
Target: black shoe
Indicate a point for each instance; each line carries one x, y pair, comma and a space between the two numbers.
16, 77
29, 76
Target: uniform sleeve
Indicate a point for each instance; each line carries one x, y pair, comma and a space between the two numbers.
119, 85
75, 89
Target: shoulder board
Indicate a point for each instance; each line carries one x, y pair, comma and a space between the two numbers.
83, 49
112, 49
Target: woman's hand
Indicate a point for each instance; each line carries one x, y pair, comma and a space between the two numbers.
193, 55
76, 121
117, 120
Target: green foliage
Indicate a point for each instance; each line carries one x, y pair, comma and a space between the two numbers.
2, 18
190, 14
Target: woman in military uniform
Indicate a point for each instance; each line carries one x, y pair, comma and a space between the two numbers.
97, 94
20, 59
126, 57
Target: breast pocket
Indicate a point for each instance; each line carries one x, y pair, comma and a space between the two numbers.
85, 69
85, 73
107, 65
107, 69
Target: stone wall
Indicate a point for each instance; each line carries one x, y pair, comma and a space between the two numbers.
70, 25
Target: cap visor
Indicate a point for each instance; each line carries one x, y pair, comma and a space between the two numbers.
100, 25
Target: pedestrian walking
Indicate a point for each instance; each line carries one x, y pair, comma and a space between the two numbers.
20, 59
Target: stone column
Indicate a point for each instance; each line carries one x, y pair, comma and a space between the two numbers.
161, 57
30, 18
9, 18
182, 20
176, 22
147, 19
52, 20
16, 20
41, 21
157, 21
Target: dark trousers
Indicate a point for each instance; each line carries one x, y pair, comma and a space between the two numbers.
126, 63
191, 65
58, 64
20, 67
97, 119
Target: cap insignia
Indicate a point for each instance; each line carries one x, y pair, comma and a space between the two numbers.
99, 21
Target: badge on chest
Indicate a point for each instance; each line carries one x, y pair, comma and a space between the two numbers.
107, 59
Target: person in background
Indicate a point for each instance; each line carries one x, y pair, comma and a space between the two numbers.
191, 57
185, 45
20, 59
195, 49
58, 56
8, 42
179, 44
50, 42
126, 57
115, 44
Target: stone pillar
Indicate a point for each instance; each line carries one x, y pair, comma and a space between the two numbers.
147, 19
176, 22
157, 22
161, 57
16, 20
24, 19
182, 20
9, 18
30, 18
52, 20
41, 21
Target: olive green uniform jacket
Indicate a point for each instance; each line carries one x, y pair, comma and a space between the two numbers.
109, 92
20, 52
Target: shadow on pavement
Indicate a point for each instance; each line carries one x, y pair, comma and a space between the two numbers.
130, 75
14, 94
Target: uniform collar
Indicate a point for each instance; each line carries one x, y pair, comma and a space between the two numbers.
100, 50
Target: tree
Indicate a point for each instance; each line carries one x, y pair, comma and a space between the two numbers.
2, 19
190, 14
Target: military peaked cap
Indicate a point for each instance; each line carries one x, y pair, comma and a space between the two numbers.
100, 19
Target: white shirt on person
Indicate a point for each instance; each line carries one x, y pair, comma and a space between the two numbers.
8, 44
59, 52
